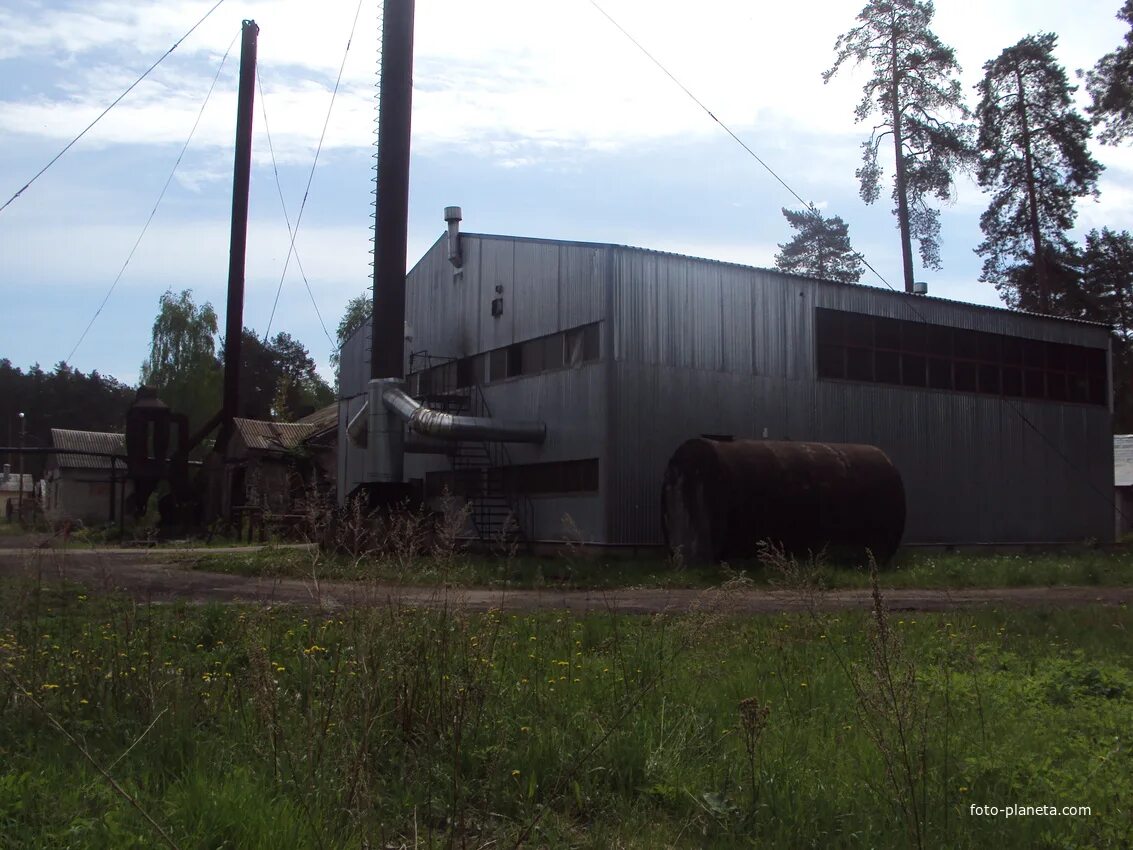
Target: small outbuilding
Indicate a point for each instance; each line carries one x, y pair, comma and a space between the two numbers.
1123, 483
272, 466
87, 480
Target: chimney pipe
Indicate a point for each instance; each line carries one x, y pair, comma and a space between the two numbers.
452, 216
387, 351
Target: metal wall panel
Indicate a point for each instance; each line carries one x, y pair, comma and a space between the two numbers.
974, 469
694, 346
573, 404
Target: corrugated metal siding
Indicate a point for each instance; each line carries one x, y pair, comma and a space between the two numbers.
573, 404
974, 470
695, 346
547, 287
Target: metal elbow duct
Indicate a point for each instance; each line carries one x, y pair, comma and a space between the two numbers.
449, 426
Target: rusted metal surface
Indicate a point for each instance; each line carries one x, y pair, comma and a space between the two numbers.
157, 448
721, 499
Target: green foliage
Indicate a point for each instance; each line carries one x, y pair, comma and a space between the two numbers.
357, 311
913, 90
820, 248
911, 569
1110, 86
249, 727
278, 379
182, 363
61, 398
1035, 162
1107, 274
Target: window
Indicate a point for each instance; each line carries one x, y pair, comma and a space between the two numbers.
469, 371
878, 349
541, 479
497, 364
514, 360
553, 351
542, 354
532, 357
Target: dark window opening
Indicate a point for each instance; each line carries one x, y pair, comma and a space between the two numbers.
964, 376
514, 360
553, 351
466, 372
831, 361
859, 364
989, 379
913, 372
878, 349
887, 367
940, 374
556, 477
1012, 381
590, 342
531, 357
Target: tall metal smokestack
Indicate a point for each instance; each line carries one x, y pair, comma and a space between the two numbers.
395, 105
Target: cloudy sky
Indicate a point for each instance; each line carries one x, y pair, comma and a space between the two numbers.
537, 117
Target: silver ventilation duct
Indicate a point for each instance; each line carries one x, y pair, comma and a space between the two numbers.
449, 426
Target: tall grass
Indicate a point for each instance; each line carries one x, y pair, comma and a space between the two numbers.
252, 727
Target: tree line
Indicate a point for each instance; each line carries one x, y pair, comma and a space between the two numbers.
278, 377
278, 382
1025, 144
61, 398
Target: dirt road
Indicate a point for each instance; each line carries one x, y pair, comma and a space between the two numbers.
151, 576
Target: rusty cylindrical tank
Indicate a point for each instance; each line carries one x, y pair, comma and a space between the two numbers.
720, 499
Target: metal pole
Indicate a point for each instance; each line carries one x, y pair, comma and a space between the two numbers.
387, 346
121, 504
20, 477
242, 174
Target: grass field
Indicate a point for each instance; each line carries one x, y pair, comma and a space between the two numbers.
911, 568
265, 728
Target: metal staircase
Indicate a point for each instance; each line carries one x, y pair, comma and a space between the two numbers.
499, 518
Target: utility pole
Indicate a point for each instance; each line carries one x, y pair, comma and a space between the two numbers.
242, 176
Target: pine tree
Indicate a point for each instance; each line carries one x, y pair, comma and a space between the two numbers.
1110, 86
1107, 262
820, 248
1034, 160
913, 90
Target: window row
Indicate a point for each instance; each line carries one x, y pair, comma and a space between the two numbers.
529, 479
857, 347
555, 351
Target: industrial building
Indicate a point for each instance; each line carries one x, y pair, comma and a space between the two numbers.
998, 422
91, 488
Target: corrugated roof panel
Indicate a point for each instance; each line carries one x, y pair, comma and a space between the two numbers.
87, 441
273, 436
324, 419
